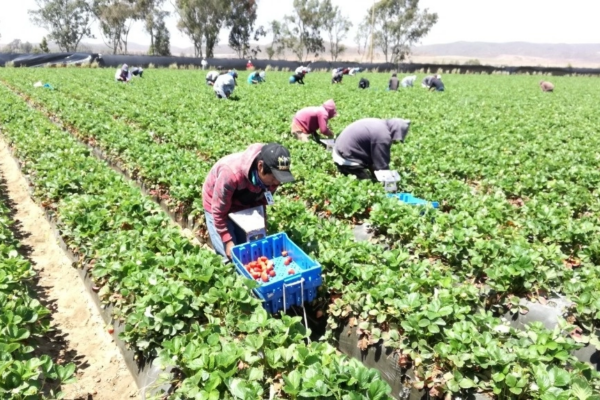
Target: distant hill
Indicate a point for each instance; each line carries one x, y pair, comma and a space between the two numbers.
519, 52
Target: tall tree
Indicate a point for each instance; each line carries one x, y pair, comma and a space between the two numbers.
241, 19
44, 45
115, 18
162, 41
277, 45
302, 29
337, 27
399, 24
202, 21
151, 14
68, 21
361, 38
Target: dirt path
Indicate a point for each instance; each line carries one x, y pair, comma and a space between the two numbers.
80, 335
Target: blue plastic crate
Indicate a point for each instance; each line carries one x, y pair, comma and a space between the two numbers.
307, 271
410, 199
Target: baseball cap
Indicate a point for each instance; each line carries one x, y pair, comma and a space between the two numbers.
278, 159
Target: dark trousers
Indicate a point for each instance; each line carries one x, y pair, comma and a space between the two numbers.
359, 171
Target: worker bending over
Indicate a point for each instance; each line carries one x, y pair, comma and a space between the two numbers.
122, 74
297, 78
363, 83
238, 182
255, 78
435, 83
546, 86
408, 81
309, 119
137, 71
225, 85
337, 75
365, 146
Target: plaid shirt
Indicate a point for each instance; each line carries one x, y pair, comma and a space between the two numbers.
228, 188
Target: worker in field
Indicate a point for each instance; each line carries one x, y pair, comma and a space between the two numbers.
137, 71
297, 78
354, 71
427, 80
363, 83
224, 85
365, 146
255, 78
408, 81
238, 182
122, 74
436, 84
212, 76
546, 86
337, 75
307, 121
394, 83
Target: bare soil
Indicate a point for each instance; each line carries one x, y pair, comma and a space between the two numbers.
79, 335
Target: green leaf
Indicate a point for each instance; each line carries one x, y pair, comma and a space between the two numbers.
511, 380
378, 390
560, 377
581, 389
466, 383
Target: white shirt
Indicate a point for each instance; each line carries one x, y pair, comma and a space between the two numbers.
408, 81
224, 83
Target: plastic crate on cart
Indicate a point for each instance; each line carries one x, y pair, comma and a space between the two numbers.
282, 290
410, 199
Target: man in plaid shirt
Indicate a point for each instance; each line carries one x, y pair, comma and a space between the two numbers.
238, 182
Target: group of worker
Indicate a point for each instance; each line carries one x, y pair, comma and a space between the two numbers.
248, 179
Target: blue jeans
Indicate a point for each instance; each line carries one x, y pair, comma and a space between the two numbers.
237, 234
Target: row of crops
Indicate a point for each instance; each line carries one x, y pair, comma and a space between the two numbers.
178, 302
23, 321
515, 170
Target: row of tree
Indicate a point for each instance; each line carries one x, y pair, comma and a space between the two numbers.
69, 22
390, 26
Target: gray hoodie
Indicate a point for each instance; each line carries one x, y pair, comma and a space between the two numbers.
368, 141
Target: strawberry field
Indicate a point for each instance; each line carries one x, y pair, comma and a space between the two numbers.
515, 171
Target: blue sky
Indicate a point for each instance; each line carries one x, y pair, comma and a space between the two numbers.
549, 21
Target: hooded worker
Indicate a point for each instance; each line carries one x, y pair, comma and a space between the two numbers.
122, 74
363, 83
225, 85
546, 86
255, 78
238, 182
365, 146
307, 121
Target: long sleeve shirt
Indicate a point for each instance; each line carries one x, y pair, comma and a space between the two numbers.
228, 188
224, 84
368, 141
312, 118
